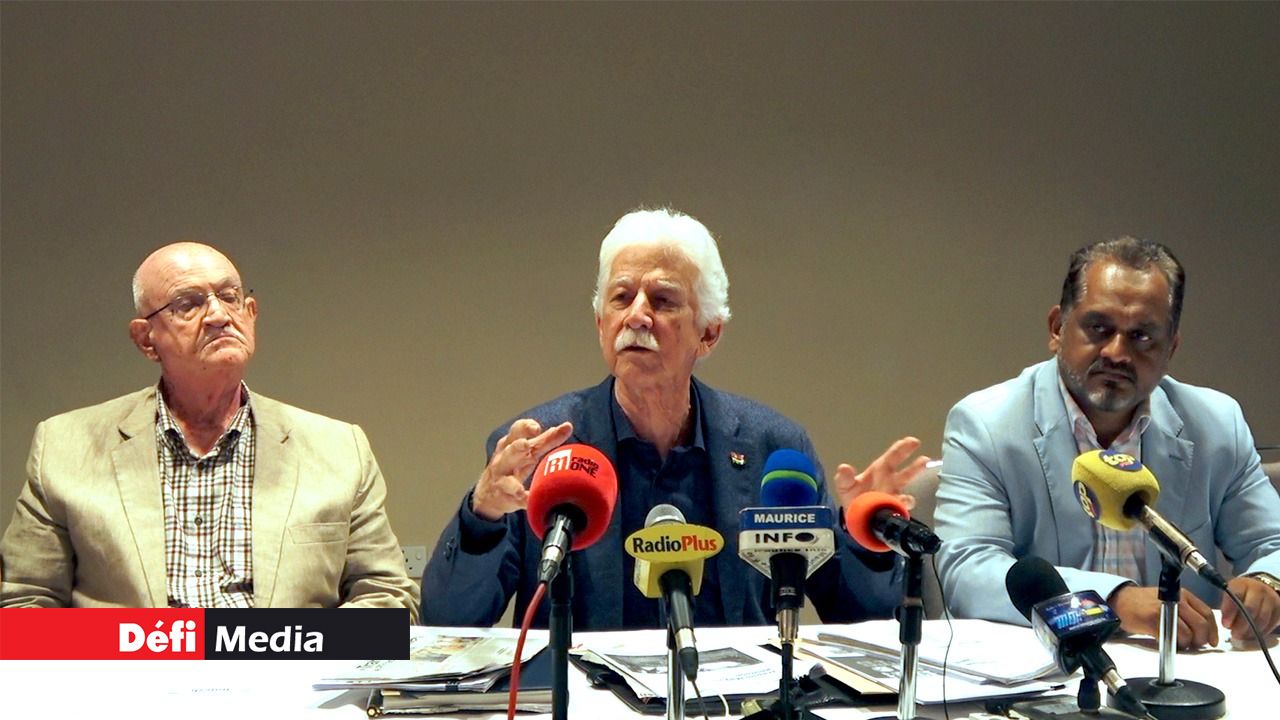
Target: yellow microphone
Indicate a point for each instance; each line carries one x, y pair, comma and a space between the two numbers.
1117, 491
1107, 482
669, 557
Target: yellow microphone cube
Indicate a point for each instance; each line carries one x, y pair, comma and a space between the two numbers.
1105, 480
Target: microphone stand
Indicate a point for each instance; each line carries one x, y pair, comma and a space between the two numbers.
792, 702
561, 632
1088, 699
675, 679
788, 605
910, 618
1166, 697
910, 615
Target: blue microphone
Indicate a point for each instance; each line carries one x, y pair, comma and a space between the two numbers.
790, 536
788, 480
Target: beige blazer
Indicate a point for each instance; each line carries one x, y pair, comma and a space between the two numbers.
88, 529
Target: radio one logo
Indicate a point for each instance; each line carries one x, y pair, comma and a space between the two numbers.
562, 460
558, 460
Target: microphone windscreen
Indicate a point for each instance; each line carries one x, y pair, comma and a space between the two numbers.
1033, 580
1105, 481
788, 480
862, 511
664, 513
575, 478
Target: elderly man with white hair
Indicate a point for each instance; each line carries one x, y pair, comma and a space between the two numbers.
661, 304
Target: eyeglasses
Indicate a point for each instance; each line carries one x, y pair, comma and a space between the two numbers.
195, 303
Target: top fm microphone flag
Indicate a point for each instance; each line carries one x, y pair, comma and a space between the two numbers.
1118, 491
571, 500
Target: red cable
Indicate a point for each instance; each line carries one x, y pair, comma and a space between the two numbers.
515, 666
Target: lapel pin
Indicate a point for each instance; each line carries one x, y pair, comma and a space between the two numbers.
738, 459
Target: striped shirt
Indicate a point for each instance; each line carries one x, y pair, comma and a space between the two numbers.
208, 503
1115, 552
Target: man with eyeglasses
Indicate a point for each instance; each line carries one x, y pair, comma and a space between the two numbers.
196, 492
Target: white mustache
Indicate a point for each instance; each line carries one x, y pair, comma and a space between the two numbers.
630, 337
225, 332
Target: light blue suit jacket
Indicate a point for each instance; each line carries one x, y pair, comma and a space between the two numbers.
1005, 490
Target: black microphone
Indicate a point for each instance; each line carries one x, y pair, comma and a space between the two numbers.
1071, 625
879, 521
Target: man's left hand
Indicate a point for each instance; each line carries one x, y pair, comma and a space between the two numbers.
882, 475
1261, 601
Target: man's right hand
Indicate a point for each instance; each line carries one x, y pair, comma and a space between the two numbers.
1139, 611
501, 489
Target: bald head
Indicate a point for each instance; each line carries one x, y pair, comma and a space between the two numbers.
148, 279
206, 337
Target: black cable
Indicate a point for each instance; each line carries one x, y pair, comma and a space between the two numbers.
701, 703
951, 634
1262, 642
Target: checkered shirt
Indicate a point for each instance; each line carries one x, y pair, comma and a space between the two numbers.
208, 503
1115, 552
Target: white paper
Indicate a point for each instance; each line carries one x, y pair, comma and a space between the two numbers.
442, 653
641, 658
996, 651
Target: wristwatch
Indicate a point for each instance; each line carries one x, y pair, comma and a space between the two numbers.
1267, 579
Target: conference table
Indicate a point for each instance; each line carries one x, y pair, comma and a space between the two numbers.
283, 688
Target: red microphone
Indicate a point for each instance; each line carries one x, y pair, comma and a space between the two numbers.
571, 501
881, 522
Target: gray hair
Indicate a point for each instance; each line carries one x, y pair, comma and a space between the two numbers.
137, 292
674, 229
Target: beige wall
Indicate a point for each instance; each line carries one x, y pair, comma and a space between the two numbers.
416, 193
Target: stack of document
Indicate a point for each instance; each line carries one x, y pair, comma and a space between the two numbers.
640, 657
982, 659
449, 669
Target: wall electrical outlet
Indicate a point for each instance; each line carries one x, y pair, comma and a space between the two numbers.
415, 560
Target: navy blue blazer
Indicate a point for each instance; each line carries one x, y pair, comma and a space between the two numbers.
471, 586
